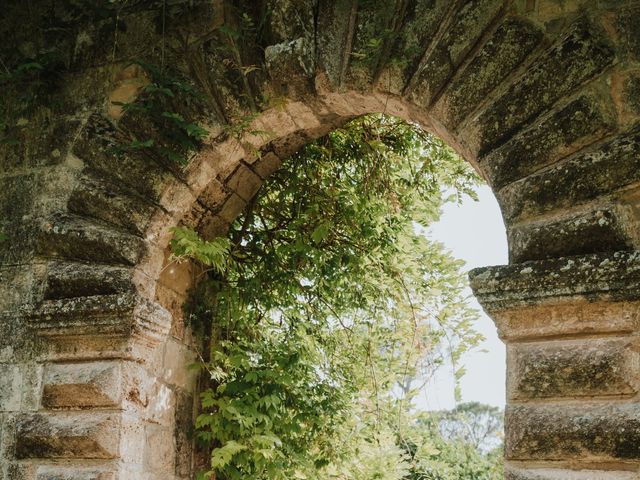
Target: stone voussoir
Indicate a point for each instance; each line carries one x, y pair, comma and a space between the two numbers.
580, 121
608, 167
579, 56
510, 45
466, 28
101, 199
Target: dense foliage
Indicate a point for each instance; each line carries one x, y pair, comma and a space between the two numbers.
327, 309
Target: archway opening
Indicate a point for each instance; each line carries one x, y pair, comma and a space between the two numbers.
328, 268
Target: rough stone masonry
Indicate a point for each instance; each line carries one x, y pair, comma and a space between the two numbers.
542, 97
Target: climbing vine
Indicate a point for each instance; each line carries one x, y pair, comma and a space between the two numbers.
326, 308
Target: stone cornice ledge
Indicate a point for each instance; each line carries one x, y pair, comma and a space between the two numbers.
603, 276
123, 314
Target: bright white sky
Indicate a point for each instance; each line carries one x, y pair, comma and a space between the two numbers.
474, 232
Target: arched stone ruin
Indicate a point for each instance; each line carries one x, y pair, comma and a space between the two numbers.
541, 96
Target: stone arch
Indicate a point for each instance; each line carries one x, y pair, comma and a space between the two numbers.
540, 96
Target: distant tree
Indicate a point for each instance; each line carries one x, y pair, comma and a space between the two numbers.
457, 456
473, 423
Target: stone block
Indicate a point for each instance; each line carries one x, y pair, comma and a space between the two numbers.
627, 28
244, 182
441, 62
71, 279
267, 165
514, 40
146, 398
333, 25
74, 473
137, 172
75, 238
419, 30
32, 375
177, 358
512, 473
598, 230
305, 116
132, 446
79, 435
99, 198
582, 53
286, 146
628, 95
82, 385
566, 317
17, 194
232, 208
161, 451
593, 431
564, 131
573, 368
99, 314
211, 226
10, 387
291, 65
173, 302
16, 284
186, 407
17, 471
615, 276
214, 195
601, 170
98, 319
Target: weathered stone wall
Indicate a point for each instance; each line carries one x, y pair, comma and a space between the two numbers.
541, 96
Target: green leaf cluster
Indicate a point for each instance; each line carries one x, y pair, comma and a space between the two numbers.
173, 136
327, 308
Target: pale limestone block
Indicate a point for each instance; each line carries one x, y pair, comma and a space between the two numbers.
74, 473
94, 384
32, 375
79, 435
177, 358
160, 448
10, 387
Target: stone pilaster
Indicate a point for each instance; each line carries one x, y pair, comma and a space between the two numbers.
105, 395
573, 364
